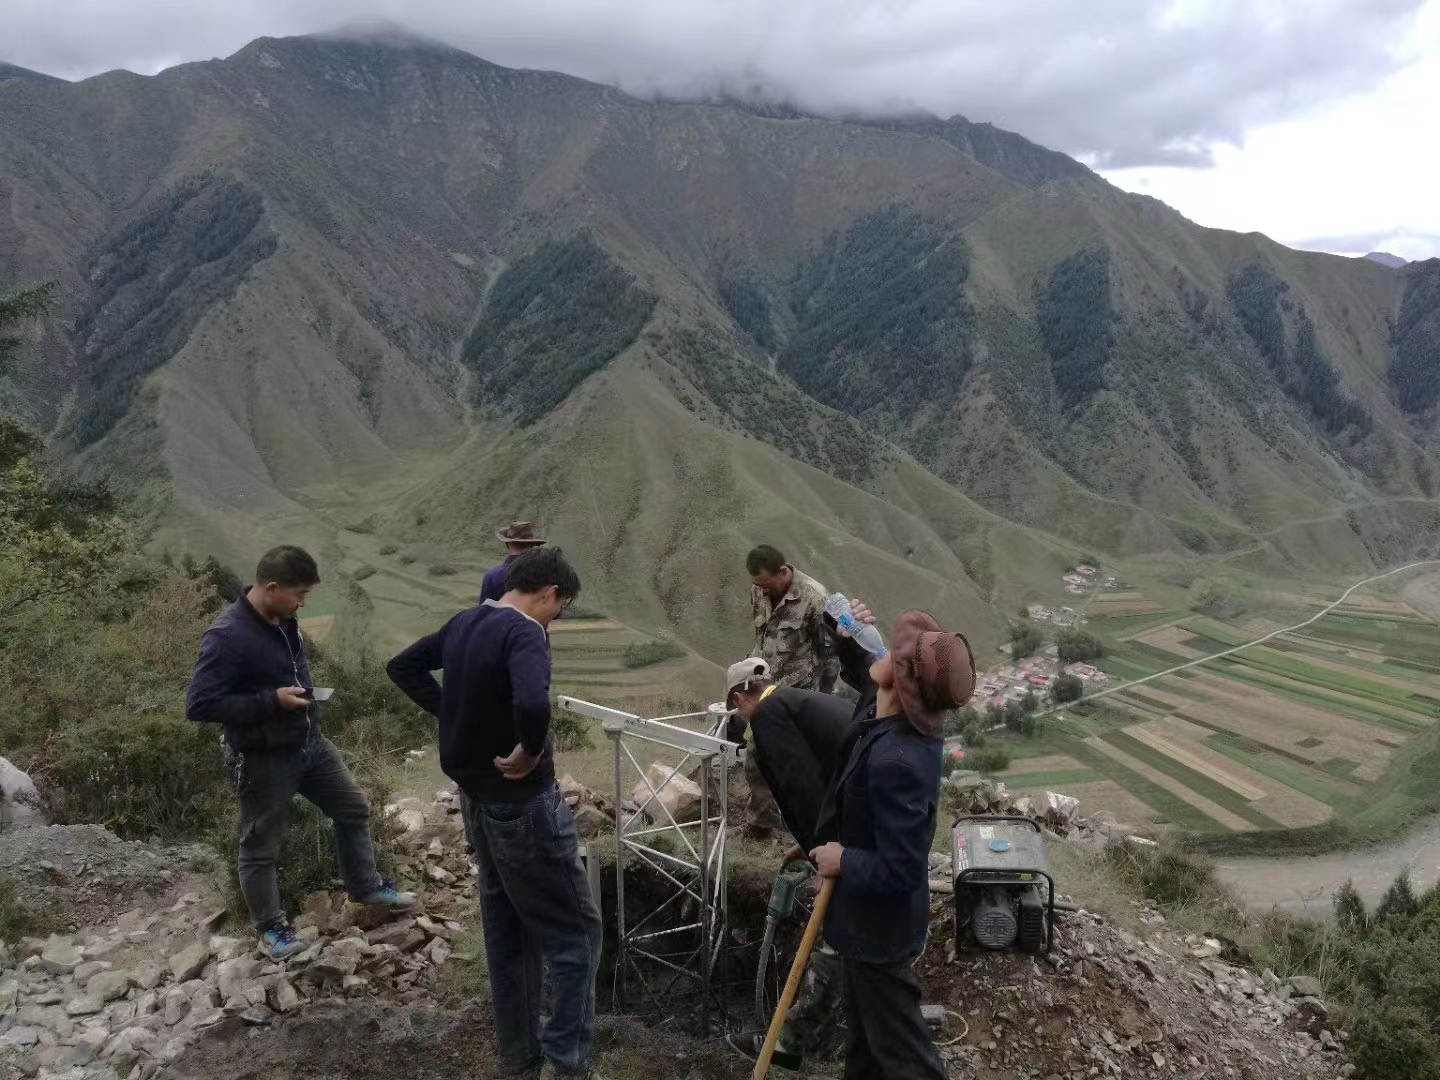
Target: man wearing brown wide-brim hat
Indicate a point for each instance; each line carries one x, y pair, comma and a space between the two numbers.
518, 538
874, 835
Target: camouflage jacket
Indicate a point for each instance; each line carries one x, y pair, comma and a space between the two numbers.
792, 636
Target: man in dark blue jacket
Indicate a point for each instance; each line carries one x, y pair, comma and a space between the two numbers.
535, 902
875, 828
253, 679
518, 538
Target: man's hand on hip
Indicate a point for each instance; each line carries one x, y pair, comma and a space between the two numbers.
518, 764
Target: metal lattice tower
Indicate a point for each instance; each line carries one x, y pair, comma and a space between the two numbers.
679, 940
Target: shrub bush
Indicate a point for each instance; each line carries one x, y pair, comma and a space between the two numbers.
987, 758
1076, 646
363, 572
1165, 873
1066, 688
569, 732
19, 920
640, 654
389, 549
441, 569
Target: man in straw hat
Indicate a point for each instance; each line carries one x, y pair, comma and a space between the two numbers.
874, 834
518, 538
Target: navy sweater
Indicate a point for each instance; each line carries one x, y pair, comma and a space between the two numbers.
244, 659
493, 587
496, 663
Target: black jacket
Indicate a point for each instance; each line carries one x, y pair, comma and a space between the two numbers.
800, 737
244, 659
496, 662
882, 807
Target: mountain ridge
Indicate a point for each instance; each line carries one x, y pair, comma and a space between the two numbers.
1070, 355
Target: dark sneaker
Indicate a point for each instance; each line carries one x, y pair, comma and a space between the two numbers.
387, 895
280, 942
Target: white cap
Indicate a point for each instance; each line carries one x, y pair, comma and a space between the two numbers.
740, 675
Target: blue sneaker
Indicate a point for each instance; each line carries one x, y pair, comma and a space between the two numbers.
387, 895
280, 942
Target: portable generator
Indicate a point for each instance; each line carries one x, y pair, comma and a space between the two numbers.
1004, 894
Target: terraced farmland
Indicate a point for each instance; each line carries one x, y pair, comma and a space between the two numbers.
405, 592
1337, 724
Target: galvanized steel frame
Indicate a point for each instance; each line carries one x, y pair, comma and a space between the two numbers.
697, 875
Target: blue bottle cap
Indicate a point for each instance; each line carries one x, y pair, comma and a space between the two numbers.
999, 845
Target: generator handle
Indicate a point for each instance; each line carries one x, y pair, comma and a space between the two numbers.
1016, 818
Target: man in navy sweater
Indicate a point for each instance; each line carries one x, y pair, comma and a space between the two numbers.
253, 678
535, 902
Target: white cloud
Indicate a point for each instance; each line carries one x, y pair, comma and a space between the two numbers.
1306, 109
1354, 177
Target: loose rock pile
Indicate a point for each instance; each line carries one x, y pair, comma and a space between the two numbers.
1109, 1003
125, 998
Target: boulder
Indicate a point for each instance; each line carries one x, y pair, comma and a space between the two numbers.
232, 976
678, 795
60, 956
190, 961
90, 968
1306, 985
19, 801
84, 1005
334, 963
177, 1005
393, 933
1310, 1016
226, 948
284, 998
109, 985
148, 975
591, 822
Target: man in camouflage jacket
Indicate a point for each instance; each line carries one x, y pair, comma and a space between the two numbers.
788, 609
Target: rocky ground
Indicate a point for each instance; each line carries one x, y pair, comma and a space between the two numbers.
1110, 1003
166, 983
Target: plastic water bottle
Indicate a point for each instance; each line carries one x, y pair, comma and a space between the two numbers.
864, 634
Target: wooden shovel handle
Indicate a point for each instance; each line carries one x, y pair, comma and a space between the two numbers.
792, 984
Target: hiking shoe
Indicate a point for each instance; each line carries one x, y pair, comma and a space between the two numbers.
280, 943
749, 1047
387, 895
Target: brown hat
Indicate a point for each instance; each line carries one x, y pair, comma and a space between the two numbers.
934, 671
519, 532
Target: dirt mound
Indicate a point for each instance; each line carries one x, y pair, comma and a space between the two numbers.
1107, 1002
88, 870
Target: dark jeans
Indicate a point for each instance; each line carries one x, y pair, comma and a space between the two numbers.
265, 784
537, 911
887, 1038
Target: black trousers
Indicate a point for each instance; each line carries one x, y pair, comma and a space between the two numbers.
887, 1039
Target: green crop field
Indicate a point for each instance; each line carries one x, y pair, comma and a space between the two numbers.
1311, 735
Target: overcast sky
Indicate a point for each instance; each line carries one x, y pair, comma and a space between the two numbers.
1302, 119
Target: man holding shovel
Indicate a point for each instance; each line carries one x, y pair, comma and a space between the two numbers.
875, 830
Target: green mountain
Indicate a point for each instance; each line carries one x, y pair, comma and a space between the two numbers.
332, 289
